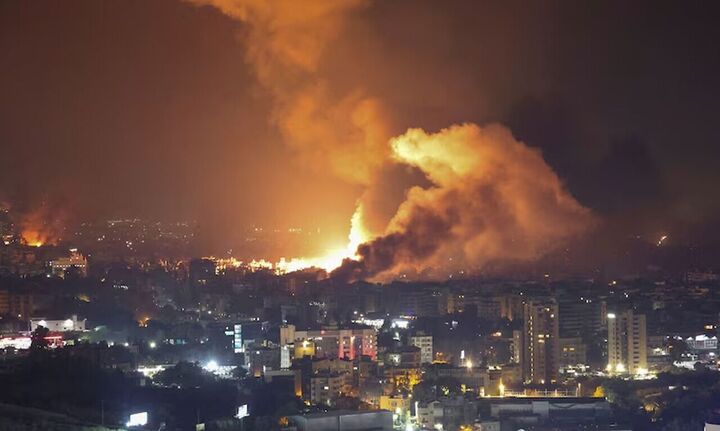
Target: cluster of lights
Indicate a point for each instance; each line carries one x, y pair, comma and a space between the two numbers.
137, 420
211, 366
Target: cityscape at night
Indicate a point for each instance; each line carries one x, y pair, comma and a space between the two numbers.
359, 215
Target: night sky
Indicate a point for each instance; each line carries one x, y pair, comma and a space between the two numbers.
150, 108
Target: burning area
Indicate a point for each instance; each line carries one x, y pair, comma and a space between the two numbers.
41, 225
485, 198
492, 200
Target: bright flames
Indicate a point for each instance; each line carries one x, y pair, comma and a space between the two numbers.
328, 262
33, 238
333, 258
41, 226
491, 199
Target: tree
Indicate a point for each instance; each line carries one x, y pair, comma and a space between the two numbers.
184, 374
677, 348
424, 391
38, 339
449, 386
240, 372
599, 392
431, 389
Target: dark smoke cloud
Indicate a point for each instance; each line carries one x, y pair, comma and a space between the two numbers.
44, 221
492, 200
105, 99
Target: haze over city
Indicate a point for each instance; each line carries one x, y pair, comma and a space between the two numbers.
175, 169
184, 111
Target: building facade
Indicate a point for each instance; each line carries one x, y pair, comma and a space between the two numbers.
572, 351
19, 305
327, 387
60, 325
627, 343
337, 343
74, 260
541, 342
425, 344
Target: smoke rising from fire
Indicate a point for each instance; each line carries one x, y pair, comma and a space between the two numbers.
42, 225
486, 198
285, 40
493, 200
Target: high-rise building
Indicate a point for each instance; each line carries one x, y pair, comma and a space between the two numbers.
517, 346
246, 333
572, 351
18, 305
581, 317
541, 344
627, 343
415, 302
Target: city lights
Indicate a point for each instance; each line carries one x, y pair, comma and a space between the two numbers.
359, 215
211, 366
137, 420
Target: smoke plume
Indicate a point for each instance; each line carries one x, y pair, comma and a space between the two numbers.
285, 39
493, 200
485, 197
43, 224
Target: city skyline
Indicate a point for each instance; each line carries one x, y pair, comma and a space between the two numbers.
359, 215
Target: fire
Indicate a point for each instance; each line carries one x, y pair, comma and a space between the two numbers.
485, 198
493, 200
334, 257
329, 261
33, 238
41, 226
346, 134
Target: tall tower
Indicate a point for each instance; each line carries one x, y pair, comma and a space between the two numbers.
541, 347
627, 343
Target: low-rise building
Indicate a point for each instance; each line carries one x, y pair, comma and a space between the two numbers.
472, 378
487, 426
333, 342
74, 260
447, 413
402, 377
562, 412
58, 325
406, 356
259, 359
425, 344
429, 415
702, 343
398, 404
344, 420
327, 387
